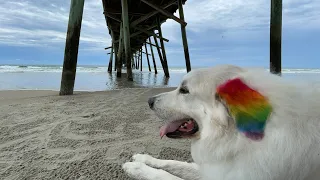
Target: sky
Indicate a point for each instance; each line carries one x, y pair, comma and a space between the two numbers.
219, 32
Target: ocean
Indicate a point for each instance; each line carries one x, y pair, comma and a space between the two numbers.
96, 78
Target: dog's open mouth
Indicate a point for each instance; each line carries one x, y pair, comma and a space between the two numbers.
179, 129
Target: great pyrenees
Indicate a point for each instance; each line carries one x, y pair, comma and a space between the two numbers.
244, 124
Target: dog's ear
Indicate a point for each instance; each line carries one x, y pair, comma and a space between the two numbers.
246, 106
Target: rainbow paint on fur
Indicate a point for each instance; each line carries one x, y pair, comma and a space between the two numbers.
248, 107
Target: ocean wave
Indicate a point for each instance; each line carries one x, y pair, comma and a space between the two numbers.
301, 71
21, 69
103, 69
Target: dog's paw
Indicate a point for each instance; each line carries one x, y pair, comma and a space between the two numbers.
143, 158
140, 171
133, 168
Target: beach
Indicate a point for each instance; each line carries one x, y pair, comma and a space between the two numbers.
88, 135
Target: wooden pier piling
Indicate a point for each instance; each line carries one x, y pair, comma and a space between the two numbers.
126, 38
112, 52
153, 59
160, 56
136, 59
275, 36
110, 61
164, 56
115, 57
141, 59
120, 50
71, 47
147, 55
133, 63
184, 37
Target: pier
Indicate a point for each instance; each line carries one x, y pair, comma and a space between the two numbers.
134, 24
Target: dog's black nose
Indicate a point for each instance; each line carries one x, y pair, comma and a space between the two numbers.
151, 102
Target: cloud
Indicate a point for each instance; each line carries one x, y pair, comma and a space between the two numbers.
233, 19
247, 14
44, 24
216, 30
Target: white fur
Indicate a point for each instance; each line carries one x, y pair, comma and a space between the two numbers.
289, 150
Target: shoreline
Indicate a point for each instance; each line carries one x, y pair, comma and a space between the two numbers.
26, 93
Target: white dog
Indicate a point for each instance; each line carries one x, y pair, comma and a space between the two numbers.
284, 146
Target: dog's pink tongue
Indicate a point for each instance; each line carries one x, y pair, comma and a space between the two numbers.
170, 127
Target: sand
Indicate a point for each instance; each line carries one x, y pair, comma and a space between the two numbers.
85, 136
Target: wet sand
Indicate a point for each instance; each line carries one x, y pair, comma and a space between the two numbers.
85, 136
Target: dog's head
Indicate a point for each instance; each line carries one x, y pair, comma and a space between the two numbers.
203, 106
194, 108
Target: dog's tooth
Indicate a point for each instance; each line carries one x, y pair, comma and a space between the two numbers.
189, 122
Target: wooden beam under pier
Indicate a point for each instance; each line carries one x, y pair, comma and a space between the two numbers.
165, 12
146, 42
152, 44
112, 17
146, 53
116, 12
140, 32
147, 16
139, 29
151, 34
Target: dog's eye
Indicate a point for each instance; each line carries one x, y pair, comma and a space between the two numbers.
184, 90
218, 98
